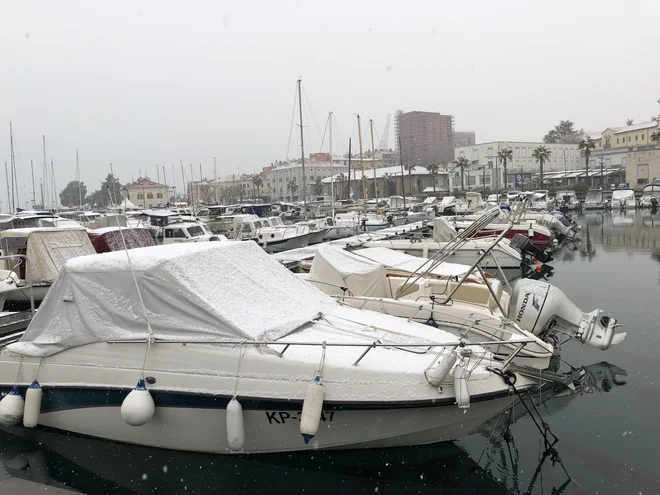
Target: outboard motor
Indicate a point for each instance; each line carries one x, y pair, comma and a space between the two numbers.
555, 225
523, 244
539, 307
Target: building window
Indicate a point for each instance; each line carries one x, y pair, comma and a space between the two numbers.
140, 196
628, 138
635, 137
617, 140
150, 196
159, 195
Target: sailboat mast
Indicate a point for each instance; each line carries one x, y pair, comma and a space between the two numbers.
112, 193
52, 173
364, 180
403, 178
373, 159
7, 182
183, 180
302, 150
332, 170
166, 187
34, 196
12, 167
350, 182
44, 180
78, 179
192, 184
215, 180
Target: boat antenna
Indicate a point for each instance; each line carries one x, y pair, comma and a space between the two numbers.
302, 151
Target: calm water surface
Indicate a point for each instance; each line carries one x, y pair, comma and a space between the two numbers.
609, 441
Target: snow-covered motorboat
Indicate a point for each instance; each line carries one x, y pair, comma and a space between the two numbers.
117, 238
567, 200
535, 306
32, 258
217, 373
321, 226
595, 200
539, 235
467, 253
540, 200
271, 233
650, 195
623, 199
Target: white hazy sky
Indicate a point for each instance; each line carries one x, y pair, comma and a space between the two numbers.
142, 84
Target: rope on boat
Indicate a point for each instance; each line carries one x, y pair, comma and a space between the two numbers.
543, 428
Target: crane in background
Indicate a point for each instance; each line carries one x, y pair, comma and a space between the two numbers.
384, 137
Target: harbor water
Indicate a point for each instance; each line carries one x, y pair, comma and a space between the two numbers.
608, 441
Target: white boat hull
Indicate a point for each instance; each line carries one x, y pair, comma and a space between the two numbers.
277, 427
299, 241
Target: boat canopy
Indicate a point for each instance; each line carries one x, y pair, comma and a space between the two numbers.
623, 194
443, 231
47, 249
594, 196
191, 291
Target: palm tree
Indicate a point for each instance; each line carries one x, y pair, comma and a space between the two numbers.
462, 162
341, 178
587, 144
504, 156
293, 187
629, 121
542, 155
433, 169
318, 186
409, 168
257, 181
655, 136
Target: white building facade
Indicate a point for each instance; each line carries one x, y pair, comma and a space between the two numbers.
282, 176
486, 171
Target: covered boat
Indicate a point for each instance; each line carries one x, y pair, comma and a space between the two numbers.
233, 353
32, 259
650, 195
623, 199
118, 238
595, 200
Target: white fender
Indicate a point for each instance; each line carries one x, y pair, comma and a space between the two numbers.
235, 428
138, 406
32, 405
11, 407
461, 386
311, 410
441, 369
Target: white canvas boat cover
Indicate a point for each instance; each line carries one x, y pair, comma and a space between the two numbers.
49, 249
127, 204
334, 268
443, 231
397, 260
197, 291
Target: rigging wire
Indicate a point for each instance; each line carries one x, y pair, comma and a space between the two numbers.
293, 115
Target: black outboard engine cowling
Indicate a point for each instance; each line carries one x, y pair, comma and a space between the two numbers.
523, 244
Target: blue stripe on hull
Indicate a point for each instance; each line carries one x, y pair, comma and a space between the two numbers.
62, 398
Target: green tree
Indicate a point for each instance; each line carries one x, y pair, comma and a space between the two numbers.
109, 193
72, 193
505, 156
389, 182
433, 169
655, 136
462, 162
587, 144
257, 182
542, 155
564, 132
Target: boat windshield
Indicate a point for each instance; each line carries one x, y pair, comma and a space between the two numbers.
622, 194
196, 231
594, 196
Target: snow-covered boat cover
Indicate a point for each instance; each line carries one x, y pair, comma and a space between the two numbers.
191, 291
47, 249
396, 260
334, 268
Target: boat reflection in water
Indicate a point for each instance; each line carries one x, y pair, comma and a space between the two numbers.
503, 457
98, 466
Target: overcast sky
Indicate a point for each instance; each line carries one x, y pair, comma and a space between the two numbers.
142, 84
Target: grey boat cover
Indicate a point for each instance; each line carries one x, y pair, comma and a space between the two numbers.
191, 291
